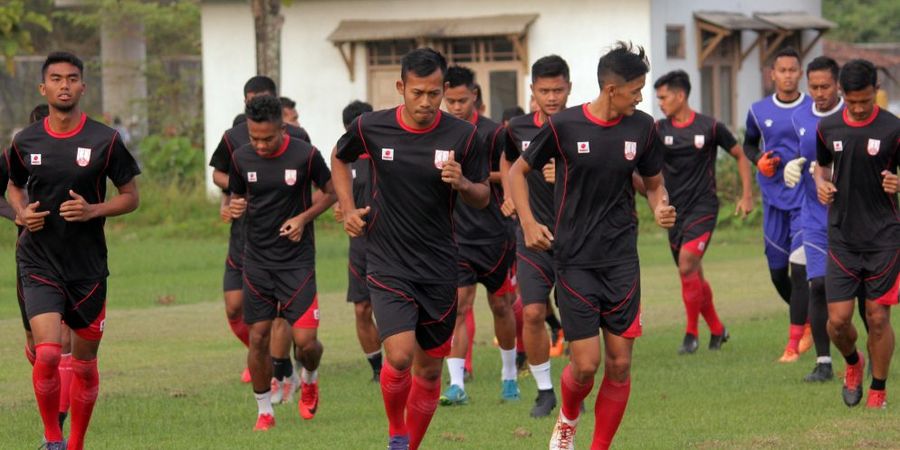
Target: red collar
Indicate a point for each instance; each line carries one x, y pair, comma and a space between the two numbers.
599, 121
68, 134
437, 119
864, 123
281, 150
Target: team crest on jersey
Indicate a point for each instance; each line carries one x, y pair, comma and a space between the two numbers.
668, 140
387, 154
803, 132
584, 147
35, 159
440, 157
83, 157
251, 177
630, 150
768, 123
838, 146
290, 176
699, 140
525, 145
873, 147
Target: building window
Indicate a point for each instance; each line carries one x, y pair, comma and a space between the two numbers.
675, 41
388, 53
718, 78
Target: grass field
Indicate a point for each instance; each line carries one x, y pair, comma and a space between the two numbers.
170, 366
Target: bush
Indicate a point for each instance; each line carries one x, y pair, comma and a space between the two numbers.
171, 160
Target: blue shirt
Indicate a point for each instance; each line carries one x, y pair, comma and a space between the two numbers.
806, 120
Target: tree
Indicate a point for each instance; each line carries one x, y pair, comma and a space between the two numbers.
15, 30
863, 20
267, 23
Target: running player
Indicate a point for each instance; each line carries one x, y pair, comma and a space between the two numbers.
485, 251
691, 142
289, 112
858, 153
420, 160
769, 121
550, 87
270, 183
60, 165
822, 81
598, 146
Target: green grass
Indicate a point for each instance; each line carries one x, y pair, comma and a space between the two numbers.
170, 365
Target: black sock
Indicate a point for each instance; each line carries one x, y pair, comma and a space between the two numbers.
553, 322
782, 282
282, 368
375, 362
818, 316
799, 304
877, 385
853, 358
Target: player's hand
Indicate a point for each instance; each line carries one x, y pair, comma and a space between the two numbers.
508, 208
451, 173
768, 164
812, 168
793, 170
292, 228
354, 224
77, 209
744, 206
225, 213
237, 206
537, 237
889, 182
549, 171
825, 191
31, 218
338, 213
665, 216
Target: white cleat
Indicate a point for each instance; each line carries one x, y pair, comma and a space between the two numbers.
563, 437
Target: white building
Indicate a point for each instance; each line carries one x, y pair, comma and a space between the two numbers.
337, 51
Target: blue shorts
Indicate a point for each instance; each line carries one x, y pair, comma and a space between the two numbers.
815, 237
782, 233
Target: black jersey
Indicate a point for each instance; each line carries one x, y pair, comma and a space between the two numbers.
277, 188
48, 165
690, 151
520, 132
863, 217
410, 226
595, 219
4, 172
483, 226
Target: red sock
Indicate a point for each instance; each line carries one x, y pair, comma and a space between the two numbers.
395, 387
517, 312
608, 411
45, 378
470, 330
239, 328
29, 354
709, 311
423, 400
65, 381
794, 336
573, 393
85, 386
692, 296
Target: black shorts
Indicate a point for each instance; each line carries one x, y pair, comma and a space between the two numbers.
357, 289
403, 305
692, 231
877, 272
608, 298
20, 296
535, 273
286, 293
234, 276
81, 304
486, 264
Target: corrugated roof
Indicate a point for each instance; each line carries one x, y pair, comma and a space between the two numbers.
731, 20
795, 20
381, 30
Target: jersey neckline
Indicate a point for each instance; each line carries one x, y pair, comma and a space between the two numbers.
68, 134
837, 107
790, 105
281, 150
686, 123
597, 120
864, 123
437, 119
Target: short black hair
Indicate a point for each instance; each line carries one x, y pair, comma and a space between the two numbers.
550, 66
264, 108
857, 75
260, 84
62, 57
423, 62
676, 80
38, 113
479, 100
355, 109
460, 76
824, 63
515, 111
287, 102
625, 61
786, 52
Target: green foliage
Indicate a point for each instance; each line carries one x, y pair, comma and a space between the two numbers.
16, 24
171, 159
863, 20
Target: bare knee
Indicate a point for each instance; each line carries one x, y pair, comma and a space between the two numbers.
260, 334
618, 367
534, 315
878, 319
363, 311
500, 305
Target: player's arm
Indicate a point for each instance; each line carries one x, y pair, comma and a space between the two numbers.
825, 189
752, 138
27, 214
889, 180
220, 179
473, 164
349, 147
745, 204
658, 198
321, 200
6, 210
537, 235
79, 210
637, 182
508, 208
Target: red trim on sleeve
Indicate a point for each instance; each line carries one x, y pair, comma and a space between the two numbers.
437, 119
68, 134
864, 123
599, 121
687, 123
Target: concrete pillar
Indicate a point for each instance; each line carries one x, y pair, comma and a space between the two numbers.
123, 55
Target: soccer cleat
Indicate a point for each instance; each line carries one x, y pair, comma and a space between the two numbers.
399, 443
277, 391
820, 374
563, 437
454, 395
60, 445
853, 377
558, 345
510, 390
289, 386
544, 403
309, 400
789, 356
245, 375
689, 344
806, 342
877, 399
716, 340
264, 422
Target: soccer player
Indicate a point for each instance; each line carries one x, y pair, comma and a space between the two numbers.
289, 112
550, 87
598, 146
822, 82
270, 184
769, 121
486, 250
858, 153
421, 159
691, 142
357, 289
60, 165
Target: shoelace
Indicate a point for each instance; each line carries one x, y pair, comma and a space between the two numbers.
854, 375
566, 435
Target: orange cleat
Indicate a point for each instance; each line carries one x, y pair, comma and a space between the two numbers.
309, 400
264, 422
557, 348
806, 342
245, 375
877, 399
789, 356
